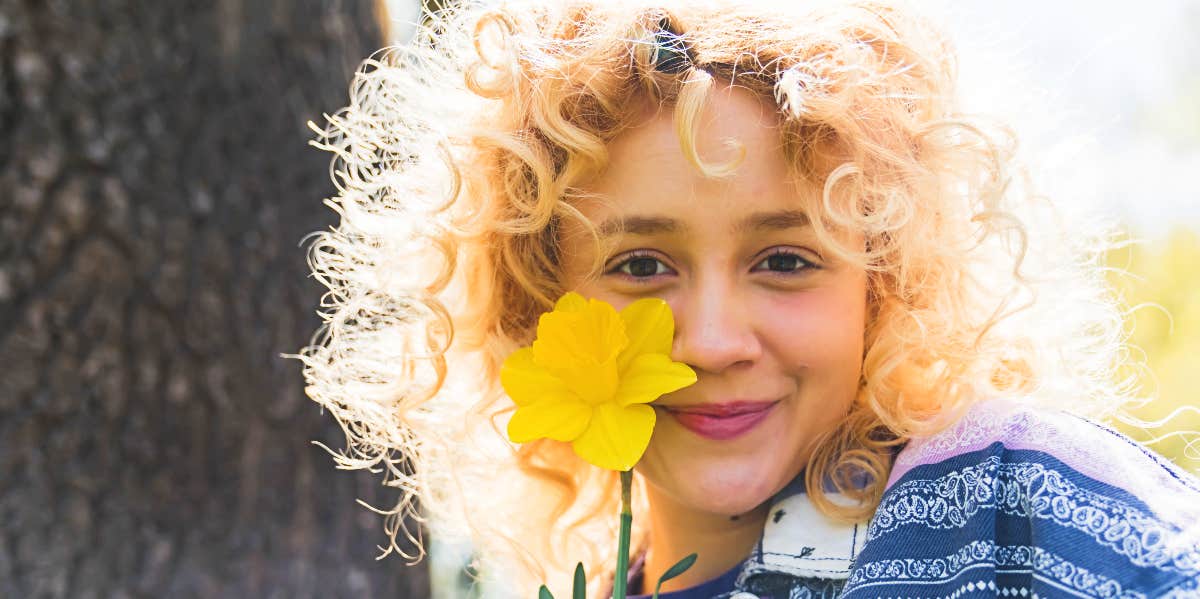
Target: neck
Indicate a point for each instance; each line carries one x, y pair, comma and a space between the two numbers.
720, 541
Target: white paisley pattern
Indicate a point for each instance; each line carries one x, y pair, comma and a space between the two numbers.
1189, 589
1044, 565
1080, 444
1032, 490
985, 423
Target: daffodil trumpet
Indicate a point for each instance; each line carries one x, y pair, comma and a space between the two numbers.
587, 380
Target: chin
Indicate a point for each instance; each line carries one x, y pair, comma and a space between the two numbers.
735, 492
725, 489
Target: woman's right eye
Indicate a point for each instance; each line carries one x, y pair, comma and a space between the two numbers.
642, 267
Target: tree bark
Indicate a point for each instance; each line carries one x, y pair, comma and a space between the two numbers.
155, 186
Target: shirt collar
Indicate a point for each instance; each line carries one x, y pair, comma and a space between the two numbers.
799, 540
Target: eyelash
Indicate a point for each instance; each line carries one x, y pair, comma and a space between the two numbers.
803, 264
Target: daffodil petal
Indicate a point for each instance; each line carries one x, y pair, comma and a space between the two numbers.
560, 418
597, 383
571, 301
568, 340
649, 326
650, 376
525, 381
617, 436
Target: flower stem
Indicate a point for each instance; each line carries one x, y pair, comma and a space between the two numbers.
621, 578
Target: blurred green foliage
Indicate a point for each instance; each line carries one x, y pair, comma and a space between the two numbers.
1160, 281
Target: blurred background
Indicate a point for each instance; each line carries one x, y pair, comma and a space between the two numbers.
155, 188
1106, 99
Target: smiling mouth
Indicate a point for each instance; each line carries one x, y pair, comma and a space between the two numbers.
721, 422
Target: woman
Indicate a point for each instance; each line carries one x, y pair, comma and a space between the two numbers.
896, 343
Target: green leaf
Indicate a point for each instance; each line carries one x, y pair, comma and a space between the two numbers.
680, 567
544, 593
580, 590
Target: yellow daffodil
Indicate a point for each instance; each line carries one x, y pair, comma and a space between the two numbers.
589, 375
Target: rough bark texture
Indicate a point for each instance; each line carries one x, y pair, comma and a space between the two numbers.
155, 185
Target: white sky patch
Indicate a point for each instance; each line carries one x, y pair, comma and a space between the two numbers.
1089, 87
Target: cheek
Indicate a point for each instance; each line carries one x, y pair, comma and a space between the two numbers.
820, 330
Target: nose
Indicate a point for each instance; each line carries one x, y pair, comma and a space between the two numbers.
714, 329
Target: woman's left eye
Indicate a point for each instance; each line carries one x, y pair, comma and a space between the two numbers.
782, 261
641, 267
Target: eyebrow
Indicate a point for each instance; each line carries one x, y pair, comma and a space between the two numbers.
772, 221
650, 225
641, 225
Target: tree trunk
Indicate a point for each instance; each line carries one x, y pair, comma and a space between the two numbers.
155, 185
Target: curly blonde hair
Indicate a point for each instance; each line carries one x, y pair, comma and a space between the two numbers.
456, 163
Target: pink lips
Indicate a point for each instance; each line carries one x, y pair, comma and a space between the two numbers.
721, 421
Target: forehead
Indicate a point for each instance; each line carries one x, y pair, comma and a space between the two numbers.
649, 172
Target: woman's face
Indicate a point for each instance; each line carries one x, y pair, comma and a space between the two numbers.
770, 322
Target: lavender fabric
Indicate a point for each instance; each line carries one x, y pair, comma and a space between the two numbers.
1011, 501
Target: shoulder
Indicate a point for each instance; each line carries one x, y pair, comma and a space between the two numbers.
1021, 497
1012, 433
